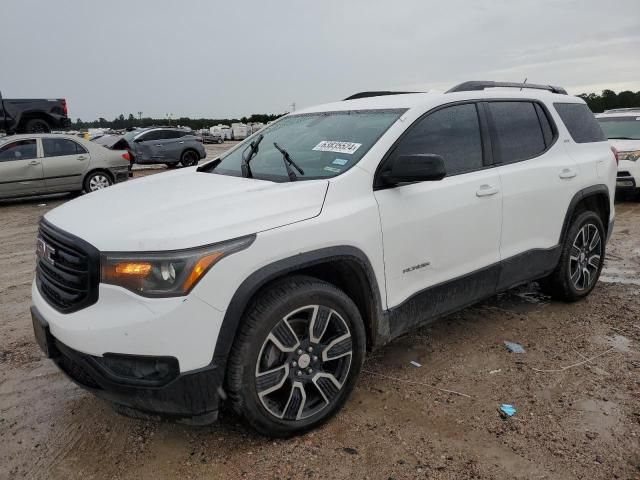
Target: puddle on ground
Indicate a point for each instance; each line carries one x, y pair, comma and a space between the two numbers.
521, 299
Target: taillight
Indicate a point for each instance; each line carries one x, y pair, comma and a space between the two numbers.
64, 106
615, 154
126, 156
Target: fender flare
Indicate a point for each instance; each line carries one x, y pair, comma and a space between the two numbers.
261, 277
591, 191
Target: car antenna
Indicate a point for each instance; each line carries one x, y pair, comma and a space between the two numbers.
523, 83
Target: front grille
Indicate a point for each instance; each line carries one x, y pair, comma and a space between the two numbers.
67, 271
623, 174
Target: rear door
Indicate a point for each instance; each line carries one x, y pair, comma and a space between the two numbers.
171, 144
441, 238
20, 168
65, 163
538, 180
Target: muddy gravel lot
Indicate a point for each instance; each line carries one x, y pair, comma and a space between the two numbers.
576, 390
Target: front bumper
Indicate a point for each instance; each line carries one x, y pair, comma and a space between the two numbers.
191, 397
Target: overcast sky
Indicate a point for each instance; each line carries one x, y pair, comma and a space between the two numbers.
205, 58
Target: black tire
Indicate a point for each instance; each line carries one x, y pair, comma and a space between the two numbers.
37, 125
220, 140
560, 284
295, 298
189, 158
97, 181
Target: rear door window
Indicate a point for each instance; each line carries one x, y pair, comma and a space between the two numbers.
580, 121
20, 150
453, 133
518, 133
60, 147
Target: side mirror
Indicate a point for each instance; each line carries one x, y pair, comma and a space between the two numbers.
414, 168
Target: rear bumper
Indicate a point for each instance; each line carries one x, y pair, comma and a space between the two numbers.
191, 397
120, 174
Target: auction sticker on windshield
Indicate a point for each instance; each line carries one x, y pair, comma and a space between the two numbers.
337, 147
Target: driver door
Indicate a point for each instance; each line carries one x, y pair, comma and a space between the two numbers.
442, 238
20, 168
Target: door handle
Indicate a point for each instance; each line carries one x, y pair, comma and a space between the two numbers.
567, 173
81, 157
486, 190
34, 162
181, 142
158, 144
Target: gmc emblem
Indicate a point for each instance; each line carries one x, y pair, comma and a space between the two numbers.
45, 251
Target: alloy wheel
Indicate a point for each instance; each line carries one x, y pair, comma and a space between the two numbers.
585, 257
303, 363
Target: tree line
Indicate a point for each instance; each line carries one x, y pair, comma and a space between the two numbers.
122, 122
598, 102
609, 99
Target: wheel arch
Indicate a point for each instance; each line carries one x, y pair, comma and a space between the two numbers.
345, 267
22, 120
594, 198
94, 170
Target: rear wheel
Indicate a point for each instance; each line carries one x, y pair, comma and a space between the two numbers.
37, 125
296, 357
189, 158
97, 181
581, 259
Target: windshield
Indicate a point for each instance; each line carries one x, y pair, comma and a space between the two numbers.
621, 127
322, 144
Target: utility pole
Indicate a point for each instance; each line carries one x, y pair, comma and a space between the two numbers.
293, 106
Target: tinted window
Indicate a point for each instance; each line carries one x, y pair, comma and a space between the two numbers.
170, 134
518, 131
547, 131
580, 122
21, 150
58, 147
155, 135
453, 133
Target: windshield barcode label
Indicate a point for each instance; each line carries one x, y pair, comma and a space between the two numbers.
338, 147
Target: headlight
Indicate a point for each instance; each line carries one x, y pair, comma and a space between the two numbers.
632, 156
165, 274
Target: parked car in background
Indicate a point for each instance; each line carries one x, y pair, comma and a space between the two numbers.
52, 163
211, 137
163, 145
30, 115
262, 277
622, 128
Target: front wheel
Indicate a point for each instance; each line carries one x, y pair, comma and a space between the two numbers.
581, 259
296, 357
97, 181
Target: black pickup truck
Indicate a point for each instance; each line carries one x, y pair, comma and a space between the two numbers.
31, 115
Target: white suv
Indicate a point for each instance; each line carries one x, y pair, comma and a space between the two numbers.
262, 277
622, 128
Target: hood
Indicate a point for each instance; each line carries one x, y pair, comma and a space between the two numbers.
625, 145
186, 208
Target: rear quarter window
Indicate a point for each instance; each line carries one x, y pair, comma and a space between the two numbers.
581, 123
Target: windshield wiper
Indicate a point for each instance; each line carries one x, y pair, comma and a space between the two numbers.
287, 162
253, 149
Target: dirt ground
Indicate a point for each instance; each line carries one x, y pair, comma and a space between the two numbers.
576, 390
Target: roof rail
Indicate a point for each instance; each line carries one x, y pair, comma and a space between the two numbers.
622, 110
481, 85
374, 94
